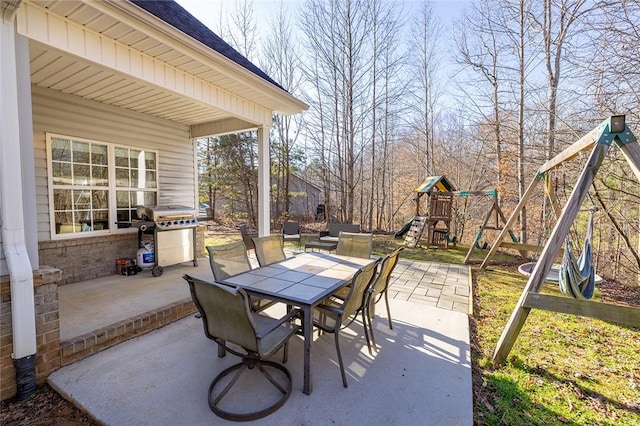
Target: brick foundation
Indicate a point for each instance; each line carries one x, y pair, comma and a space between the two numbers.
83, 259
48, 357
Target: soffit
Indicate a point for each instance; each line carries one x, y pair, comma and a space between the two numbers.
55, 69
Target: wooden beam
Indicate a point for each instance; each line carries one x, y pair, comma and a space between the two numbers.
520, 246
513, 237
574, 149
626, 315
482, 228
545, 262
514, 215
491, 192
551, 193
631, 152
523, 248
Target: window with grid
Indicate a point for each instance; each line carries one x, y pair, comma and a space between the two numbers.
136, 181
92, 181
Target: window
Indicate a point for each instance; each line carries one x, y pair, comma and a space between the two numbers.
92, 181
136, 181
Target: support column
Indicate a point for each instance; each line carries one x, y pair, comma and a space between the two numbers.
264, 182
11, 195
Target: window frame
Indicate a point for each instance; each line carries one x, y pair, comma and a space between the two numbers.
112, 187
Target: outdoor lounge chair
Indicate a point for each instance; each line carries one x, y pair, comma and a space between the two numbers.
246, 237
378, 289
332, 234
269, 249
227, 318
231, 259
291, 232
330, 315
356, 245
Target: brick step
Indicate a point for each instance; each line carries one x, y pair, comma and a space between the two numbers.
93, 342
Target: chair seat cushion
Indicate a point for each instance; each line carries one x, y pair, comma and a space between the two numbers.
291, 236
329, 239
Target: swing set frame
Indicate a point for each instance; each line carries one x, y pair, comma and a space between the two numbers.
613, 129
494, 219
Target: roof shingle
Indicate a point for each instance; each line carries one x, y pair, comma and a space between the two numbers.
175, 15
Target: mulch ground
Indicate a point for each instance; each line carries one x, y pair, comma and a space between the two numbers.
45, 407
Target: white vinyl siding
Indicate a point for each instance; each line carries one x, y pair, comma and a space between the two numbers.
4, 268
76, 117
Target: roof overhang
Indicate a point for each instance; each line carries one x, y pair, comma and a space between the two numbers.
114, 52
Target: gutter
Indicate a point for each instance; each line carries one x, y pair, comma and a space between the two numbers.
12, 219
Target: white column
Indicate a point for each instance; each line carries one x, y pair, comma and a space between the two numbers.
264, 171
11, 200
26, 150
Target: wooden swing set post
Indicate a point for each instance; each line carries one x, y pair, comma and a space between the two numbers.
507, 226
608, 131
545, 262
494, 212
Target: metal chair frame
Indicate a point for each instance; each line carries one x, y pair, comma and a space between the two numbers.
377, 290
339, 311
227, 317
269, 249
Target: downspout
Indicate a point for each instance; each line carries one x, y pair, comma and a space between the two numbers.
12, 219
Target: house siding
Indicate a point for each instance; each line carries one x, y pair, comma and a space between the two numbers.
94, 256
54, 112
4, 268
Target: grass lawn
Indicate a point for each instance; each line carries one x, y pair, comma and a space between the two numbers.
563, 369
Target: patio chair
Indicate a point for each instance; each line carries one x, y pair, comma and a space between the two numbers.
227, 318
355, 245
231, 259
269, 249
378, 289
291, 232
246, 237
330, 315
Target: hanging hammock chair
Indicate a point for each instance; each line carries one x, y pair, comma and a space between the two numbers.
577, 276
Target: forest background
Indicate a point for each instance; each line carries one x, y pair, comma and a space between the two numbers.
481, 91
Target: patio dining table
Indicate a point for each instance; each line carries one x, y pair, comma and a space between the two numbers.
303, 281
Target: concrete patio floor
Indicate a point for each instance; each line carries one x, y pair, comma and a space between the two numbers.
420, 375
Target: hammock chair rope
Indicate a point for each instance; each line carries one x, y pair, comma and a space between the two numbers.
577, 276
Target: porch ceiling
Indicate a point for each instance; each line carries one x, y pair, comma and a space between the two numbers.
92, 75
63, 72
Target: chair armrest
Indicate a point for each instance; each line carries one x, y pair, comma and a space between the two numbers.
333, 309
295, 313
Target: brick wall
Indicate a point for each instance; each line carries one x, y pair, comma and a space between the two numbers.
84, 259
48, 358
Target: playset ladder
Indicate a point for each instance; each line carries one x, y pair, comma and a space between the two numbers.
415, 232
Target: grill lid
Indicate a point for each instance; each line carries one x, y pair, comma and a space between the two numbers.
169, 212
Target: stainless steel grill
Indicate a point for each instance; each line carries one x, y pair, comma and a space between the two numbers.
174, 234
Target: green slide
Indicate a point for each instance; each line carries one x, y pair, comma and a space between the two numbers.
405, 228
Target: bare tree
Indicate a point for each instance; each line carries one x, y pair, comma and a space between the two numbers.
425, 45
481, 47
281, 62
556, 22
241, 29
337, 34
